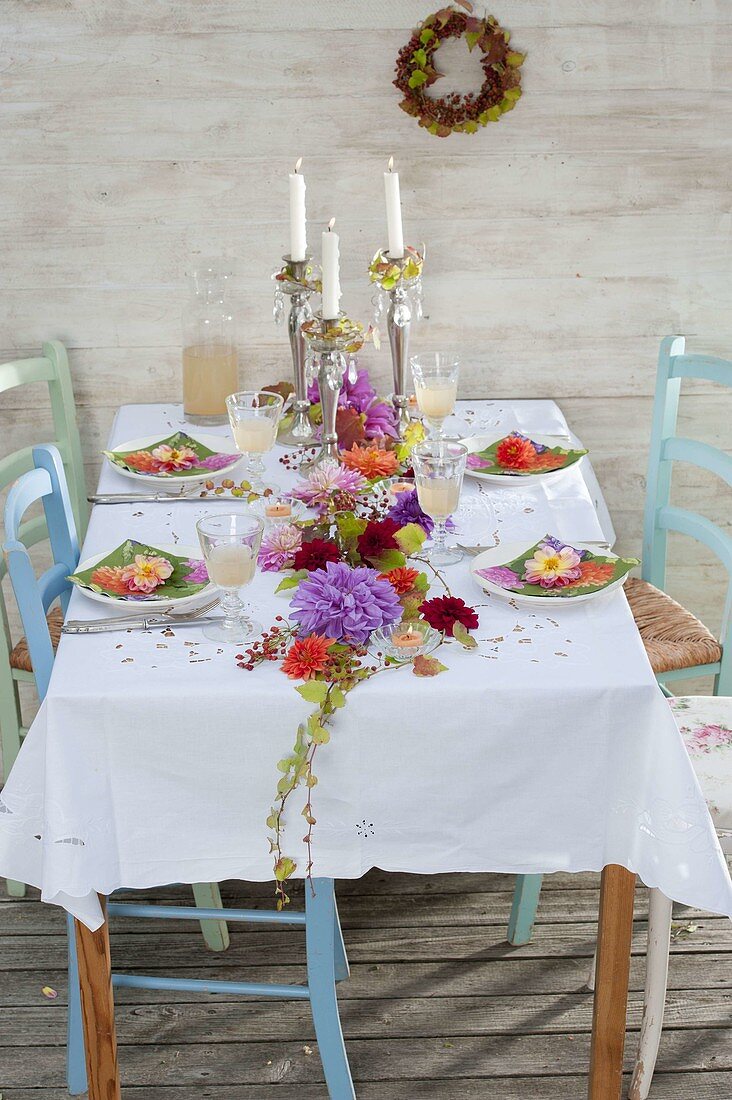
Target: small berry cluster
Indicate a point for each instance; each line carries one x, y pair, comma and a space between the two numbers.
293, 460
272, 646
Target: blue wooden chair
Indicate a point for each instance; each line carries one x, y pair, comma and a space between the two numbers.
678, 644
51, 368
326, 957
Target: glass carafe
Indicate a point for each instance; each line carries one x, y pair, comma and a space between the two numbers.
209, 345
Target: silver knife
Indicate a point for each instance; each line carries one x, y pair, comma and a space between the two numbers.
151, 622
143, 498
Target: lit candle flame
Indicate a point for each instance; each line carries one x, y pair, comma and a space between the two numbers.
331, 223
298, 162
391, 164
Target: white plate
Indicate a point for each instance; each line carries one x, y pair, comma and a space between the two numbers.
476, 443
219, 443
509, 551
131, 604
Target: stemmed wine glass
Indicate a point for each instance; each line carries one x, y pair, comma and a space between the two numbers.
435, 387
439, 466
254, 416
230, 544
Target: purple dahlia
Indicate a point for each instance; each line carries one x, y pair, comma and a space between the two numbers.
344, 603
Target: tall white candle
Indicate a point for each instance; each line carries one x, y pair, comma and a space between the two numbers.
393, 212
331, 273
298, 232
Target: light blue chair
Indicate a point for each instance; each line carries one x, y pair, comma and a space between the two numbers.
326, 957
678, 645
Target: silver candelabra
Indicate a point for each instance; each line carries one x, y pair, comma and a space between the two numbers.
400, 298
327, 361
298, 289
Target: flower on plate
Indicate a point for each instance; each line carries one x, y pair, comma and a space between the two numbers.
316, 554
516, 452
174, 458
109, 577
217, 461
557, 544
593, 573
143, 462
501, 575
377, 537
401, 579
306, 657
279, 545
198, 571
344, 603
552, 568
477, 462
324, 480
444, 611
372, 462
146, 572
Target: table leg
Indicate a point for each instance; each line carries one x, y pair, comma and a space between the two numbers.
97, 1010
614, 932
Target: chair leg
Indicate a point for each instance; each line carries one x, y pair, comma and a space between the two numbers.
523, 911
320, 943
215, 932
342, 969
10, 734
654, 997
75, 1057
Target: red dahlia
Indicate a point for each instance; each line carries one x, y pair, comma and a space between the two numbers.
315, 554
378, 537
444, 611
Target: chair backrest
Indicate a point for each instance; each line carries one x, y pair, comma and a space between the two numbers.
666, 448
34, 595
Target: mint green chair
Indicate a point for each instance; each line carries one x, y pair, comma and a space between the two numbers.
52, 367
678, 645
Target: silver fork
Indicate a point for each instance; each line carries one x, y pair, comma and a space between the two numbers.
163, 616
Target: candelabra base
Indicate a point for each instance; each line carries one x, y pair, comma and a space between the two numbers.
301, 431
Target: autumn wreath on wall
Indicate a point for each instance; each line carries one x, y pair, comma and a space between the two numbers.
454, 113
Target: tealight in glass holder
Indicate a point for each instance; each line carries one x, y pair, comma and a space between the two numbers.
435, 387
254, 416
230, 543
439, 466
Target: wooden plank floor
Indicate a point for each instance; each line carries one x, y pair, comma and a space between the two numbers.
437, 1006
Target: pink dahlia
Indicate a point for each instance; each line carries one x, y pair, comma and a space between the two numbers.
279, 546
324, 480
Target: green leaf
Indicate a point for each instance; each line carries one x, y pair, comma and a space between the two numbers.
292, 581
472, 39
284, 868
470, 127
314, 691
390, 559
350, 526
515, 59
426, 36
420, 57
512, 93
491, 115
417, 79
319, 734
460, 632
337, 698
410, 538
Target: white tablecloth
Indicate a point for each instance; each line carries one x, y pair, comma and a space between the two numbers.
550, 748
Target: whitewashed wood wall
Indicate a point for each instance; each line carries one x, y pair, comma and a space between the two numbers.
563, 242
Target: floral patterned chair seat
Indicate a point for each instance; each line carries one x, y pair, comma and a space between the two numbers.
706, 726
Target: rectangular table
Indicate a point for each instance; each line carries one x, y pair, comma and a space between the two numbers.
549, 748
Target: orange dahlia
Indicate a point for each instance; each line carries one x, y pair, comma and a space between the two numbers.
593, 572
110, 579
516, 452
401, 579
548, 461
306, 657
143, 461
372, 462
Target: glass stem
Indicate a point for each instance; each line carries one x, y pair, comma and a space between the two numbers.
256, 471
232, 608
439, 536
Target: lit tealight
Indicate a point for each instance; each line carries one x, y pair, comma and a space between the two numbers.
278, 509
407, 639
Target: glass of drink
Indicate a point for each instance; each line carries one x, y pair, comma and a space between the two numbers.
210, 362
435, 387
439, 466
254, 415
230, 544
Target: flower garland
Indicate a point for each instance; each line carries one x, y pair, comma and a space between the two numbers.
386, 272
454, 113
353, 568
